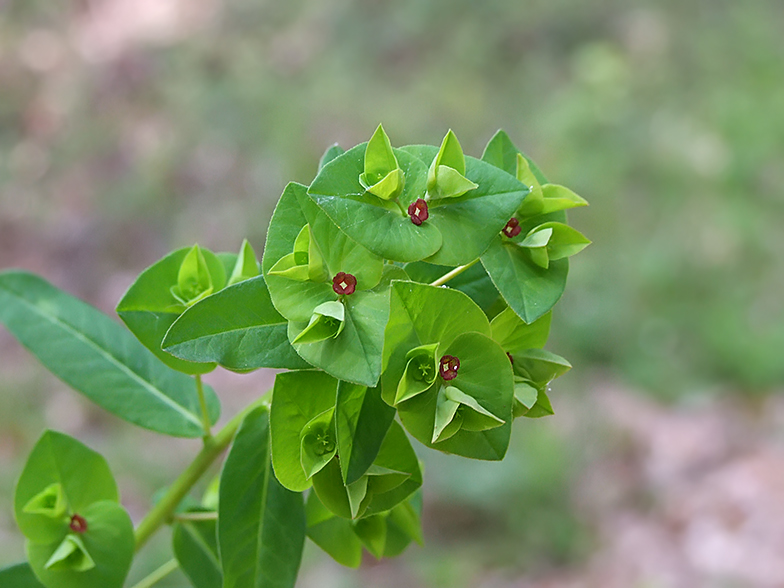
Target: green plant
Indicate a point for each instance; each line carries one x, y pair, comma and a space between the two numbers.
371, 293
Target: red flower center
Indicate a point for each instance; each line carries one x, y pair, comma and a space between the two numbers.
417, 210
448, 367
344, 283
78, 524
512, 228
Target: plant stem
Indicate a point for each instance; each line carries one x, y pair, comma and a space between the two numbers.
205, 414
213, 446
196, 516
455, 272
158, 574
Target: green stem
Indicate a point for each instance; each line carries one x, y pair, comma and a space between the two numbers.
205, 413
400, 206
158, 574
455, 272
196, 516
161, 513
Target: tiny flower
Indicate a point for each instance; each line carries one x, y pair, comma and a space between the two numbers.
448, 367
78, 524
511, 359
417, 210
344, 283
512, 228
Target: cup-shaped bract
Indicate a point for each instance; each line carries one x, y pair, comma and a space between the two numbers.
382, 175
446, 176
67, 506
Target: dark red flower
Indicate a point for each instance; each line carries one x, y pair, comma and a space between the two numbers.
417, 210
448, 367
512, 228
344, 283
78, 524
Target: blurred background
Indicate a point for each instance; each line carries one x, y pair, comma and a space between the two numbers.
132, 127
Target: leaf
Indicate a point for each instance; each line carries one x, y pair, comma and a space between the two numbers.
19, 576
327, 322
502, 153
297, 397
109, 542
100, 359
331, 153
564, 240
333, 534
513, 334
382, 176
237, 328
355, 354
474, 281
469, 223
485, 374
376, 224
445, 178
317, 442
81, 475
195, 545
261, 525
540, 366
362, 420
422, 315
149, 307
529, 290
542, 408
372, 531
557, 198
246, 266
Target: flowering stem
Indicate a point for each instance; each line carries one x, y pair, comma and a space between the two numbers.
161, 513
455, 272
196, 516
158, 574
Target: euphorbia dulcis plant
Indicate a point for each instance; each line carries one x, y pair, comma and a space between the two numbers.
408, 293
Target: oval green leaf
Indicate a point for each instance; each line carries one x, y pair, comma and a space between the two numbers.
97, 357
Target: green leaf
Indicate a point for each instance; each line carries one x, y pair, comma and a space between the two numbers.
474, 281
372, 531
195, 545
297, 397
563, 241
374, 223
420, 373
19, 576
469, 223
423, 315
67, 471
70, 555
355, 354
513, 334
327, 322
317, 442
246, 266
540, 366
333, 534
382, 176
525, 397
502, 153
403, 526
542, 408
446, 176
261, 524
237, 328
149, 307
398, 473
529, 290
557, 198
485, 374
362, 420
331, 153
194, 281
108, 543
97, 357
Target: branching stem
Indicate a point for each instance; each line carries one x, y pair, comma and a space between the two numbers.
161, 513
455, 272
158, 574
